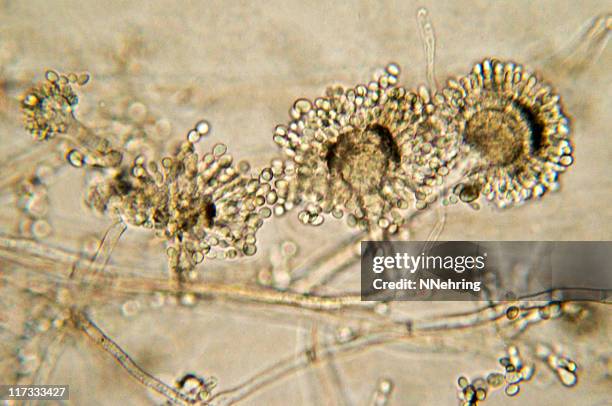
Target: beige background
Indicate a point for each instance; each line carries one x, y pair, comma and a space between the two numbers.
240, 65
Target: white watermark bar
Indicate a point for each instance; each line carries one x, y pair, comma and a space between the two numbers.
34, 392
486, 270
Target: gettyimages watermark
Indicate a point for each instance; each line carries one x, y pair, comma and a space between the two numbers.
486, 270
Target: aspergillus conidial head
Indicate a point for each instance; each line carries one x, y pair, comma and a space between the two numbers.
204, 203
515, 127
361, 152
48, 107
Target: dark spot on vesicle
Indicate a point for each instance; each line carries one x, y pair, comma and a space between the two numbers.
210, 211
330, 156
387, 141
122, 184
535, 126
